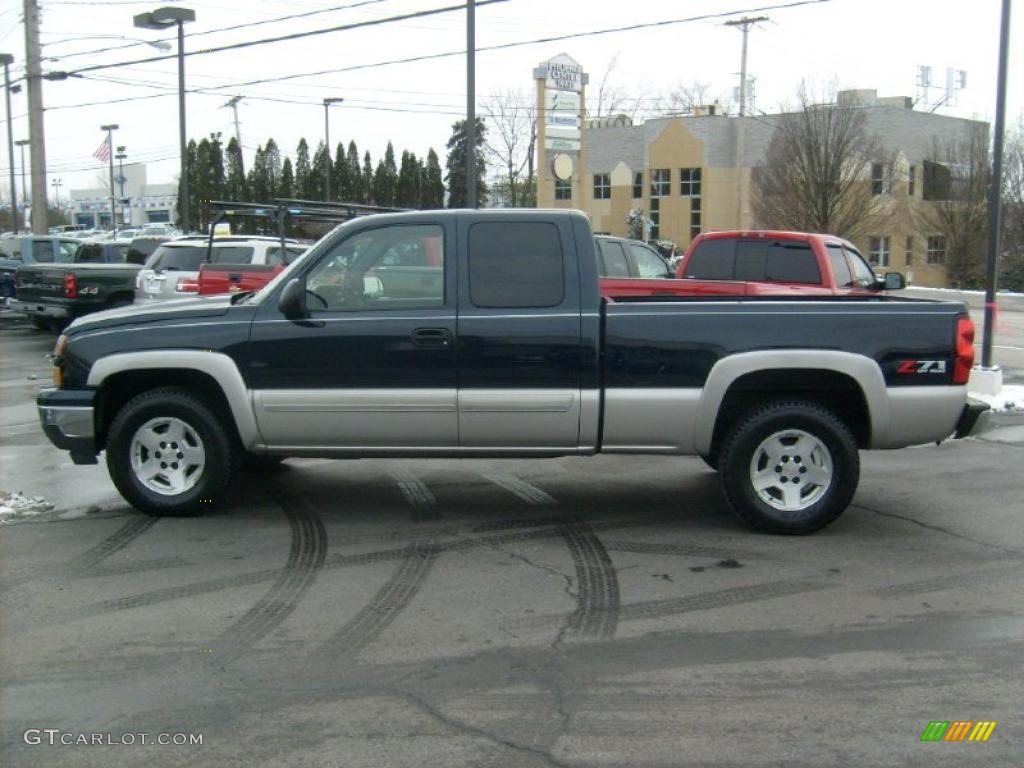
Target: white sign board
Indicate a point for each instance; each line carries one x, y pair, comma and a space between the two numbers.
566, 145
562, 101
564, 74
562, 120
553, 132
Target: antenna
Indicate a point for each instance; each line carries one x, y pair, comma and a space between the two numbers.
956, 81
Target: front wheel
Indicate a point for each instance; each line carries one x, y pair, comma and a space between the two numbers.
169, 454
789, 467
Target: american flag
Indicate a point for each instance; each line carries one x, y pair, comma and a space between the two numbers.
102, 152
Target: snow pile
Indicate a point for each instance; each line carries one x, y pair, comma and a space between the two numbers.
15, 505
1011, 398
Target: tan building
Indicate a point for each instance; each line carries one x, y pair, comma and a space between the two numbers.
692, 174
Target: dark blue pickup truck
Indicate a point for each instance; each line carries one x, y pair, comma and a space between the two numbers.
499, 344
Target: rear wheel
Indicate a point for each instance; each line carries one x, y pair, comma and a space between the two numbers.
169, 454
789, 467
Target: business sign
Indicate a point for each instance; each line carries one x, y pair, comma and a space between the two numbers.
566, 145
564, 74
562, 101
554, 132
563, 120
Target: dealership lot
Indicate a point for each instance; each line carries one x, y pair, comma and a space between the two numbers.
602, 611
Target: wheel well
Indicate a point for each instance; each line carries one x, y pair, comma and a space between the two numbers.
119, 388
837, 392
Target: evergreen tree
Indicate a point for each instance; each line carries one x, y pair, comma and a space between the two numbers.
190, 167
407, 192
234, 182
259, 178
367, 174
358, 194
433, 186
341, 179
272, 157
321, 158
302, 170
200, 186
385, 179
286, 184
455, 165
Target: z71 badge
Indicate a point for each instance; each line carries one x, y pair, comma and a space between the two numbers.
921, 366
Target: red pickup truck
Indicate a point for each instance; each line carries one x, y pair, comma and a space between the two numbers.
767, 263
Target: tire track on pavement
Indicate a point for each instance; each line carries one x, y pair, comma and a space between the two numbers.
382, 609
417, 495
597, 590
306, 557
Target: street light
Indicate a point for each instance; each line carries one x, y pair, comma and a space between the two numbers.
7, 59
22, 143
110, 157
162, 18
56, 184
121, 155
327, 146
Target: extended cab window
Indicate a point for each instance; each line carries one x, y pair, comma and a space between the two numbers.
836, 257
90, 253
648, 263
861, 271
42, 251
396, 267
791, 262
613, 260
712, 260
515, 264
68, 249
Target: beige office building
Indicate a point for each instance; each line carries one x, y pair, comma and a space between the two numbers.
692, 174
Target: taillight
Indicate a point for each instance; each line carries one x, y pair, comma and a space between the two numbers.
70, 286
188, 285
964, 350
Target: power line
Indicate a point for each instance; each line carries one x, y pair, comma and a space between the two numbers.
292, 36
227, 29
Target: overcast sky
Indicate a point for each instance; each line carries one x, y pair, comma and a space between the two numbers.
853, 43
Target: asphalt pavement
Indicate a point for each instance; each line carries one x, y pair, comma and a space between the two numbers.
603, 611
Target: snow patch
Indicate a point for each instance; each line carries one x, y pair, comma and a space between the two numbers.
15, 505
1010, 398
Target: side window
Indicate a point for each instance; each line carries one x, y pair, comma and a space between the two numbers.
119, 254
712, 260
792, 263
751, 258
515, 264
613, 259
68, 249
290, 254
836, 257
648, 263
90, 253
361, 273
42, 251
861, 271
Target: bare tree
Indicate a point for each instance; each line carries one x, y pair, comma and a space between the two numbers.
815, 176
955, 190
684, 99
1011, 275
511, 136
611, 98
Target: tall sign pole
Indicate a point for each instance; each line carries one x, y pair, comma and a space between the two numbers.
995, 190
471, 104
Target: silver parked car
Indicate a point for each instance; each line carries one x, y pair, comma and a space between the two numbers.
172, 271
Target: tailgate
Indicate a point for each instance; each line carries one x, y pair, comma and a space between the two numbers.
233, 278
40, 283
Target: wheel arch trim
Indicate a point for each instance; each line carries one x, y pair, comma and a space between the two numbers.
218, 366
864, 371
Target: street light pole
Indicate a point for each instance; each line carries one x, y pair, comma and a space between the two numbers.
56, 184
162, 18
110, 157
7, 59
327, 146
120, 178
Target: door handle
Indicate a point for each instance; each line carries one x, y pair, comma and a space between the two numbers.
431, 338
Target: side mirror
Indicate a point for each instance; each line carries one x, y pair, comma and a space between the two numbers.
894, 281
292, 302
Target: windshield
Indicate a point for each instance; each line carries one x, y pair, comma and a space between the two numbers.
187, 258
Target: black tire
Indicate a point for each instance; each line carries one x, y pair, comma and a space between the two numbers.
779, 424
711, 459
205, 485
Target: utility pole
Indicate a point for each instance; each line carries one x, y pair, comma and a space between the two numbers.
471, 104
121, 155
744, 25
21, 144
327, 145
110, 158
37, 149
233, 104
7, 59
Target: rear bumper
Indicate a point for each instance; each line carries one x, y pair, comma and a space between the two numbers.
969, 418
37, 309
67, 418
